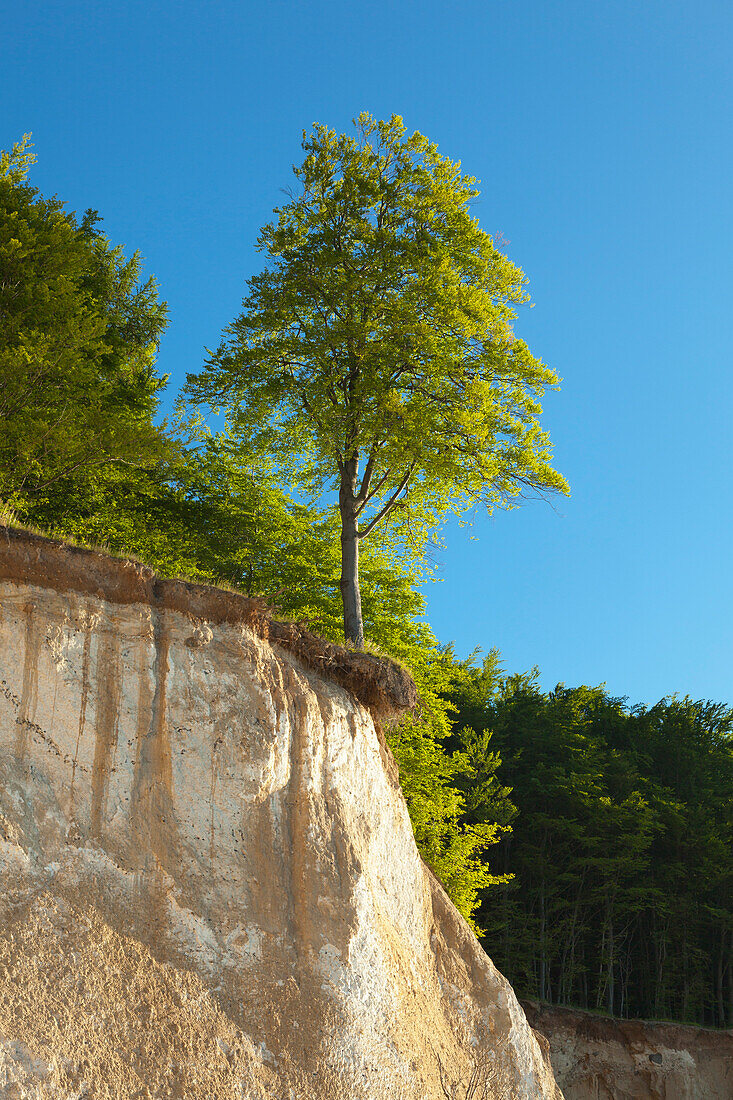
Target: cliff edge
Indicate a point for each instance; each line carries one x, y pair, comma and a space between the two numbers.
210, 886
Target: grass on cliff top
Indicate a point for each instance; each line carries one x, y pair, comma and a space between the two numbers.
9, 519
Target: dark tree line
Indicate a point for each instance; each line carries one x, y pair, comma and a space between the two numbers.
622, 847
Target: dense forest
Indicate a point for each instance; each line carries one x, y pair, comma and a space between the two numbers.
590, 842
621, 846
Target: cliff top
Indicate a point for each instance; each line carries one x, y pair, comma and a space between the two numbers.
381, 684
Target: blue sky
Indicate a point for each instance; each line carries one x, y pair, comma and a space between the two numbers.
601, 134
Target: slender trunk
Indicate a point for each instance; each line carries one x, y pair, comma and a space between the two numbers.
730, 983
600, 984
686, 979
543, 962
584, 973
349, 583
569, 962
505, 902
611, 992
661, 960
719, 981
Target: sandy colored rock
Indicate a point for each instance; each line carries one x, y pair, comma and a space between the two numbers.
210, 886
599, 1058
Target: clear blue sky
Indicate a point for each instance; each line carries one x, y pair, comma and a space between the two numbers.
602, 136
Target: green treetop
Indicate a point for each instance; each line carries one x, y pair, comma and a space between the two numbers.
375, 354
78, 337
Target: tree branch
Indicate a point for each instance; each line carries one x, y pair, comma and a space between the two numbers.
389, 506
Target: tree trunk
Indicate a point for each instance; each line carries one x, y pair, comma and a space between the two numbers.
730, 983
349, 583
659, 989
686, 979
719, 982
611, 948
543, 956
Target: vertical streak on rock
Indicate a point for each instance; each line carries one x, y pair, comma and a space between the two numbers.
160, 749
345, 868
299, 806
267, 821
212, 799
152, 808
144, 710
107, 719
29, 694
139, 847
87, 619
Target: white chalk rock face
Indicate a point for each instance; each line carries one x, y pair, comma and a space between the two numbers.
209, 883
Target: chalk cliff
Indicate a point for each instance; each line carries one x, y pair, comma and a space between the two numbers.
599, 1058
209, 884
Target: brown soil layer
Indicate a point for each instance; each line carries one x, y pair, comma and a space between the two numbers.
381, 684
587, 1025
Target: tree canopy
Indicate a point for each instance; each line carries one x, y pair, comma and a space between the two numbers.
375, 354
78, 337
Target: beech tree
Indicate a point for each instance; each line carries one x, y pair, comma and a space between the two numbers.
375, 354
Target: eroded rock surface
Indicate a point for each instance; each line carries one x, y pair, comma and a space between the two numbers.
599, 1058
210, 886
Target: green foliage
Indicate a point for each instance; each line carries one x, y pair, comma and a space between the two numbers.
375, 354
457, 806
622, 850
78, 336
383, 323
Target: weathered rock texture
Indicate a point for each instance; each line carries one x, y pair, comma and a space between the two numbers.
599, 1058
210, 887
